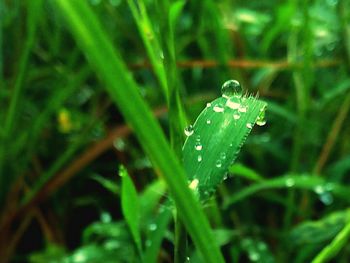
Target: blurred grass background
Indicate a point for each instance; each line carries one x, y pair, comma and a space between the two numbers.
62, 137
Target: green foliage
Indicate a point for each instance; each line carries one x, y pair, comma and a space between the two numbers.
87, 86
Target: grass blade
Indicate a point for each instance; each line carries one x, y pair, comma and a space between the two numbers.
131, 207
308, 182
98, 49
218, 135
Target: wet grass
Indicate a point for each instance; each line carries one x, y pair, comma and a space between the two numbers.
88, 86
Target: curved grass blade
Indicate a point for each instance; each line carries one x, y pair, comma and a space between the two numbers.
321, 187
217, 136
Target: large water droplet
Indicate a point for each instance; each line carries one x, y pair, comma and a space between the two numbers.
218, 163
189, 130
198, 146
231, 88
218, 108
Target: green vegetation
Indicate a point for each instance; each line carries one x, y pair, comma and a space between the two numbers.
126, 137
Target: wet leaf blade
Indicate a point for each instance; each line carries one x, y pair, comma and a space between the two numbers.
218, 137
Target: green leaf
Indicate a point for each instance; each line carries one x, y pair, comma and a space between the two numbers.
313, 232
217, 137
131, 206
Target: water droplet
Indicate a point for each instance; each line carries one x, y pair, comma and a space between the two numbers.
199, 158
189, 130
223, 155
319, 189
261, 118
208, 121
326, 198
194, 183
236, 116
261, 122
208, 105
242, 109
198, 146
225, 176
218, 108
188, 259
249, 125
231, 88
254, 256
152, 227
233, 105
218, 163
290, 182
198, 138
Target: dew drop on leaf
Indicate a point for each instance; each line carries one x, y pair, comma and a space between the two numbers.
189, 130
236, 116
199, 158
218, 163
218, 108
231, 88
249, 125
198, 146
